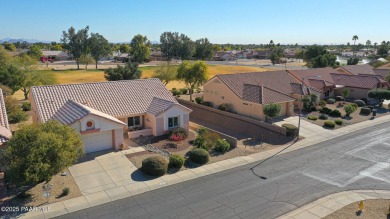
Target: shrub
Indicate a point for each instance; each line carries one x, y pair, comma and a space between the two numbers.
174, 88
360, 103
365, 111
155, 165
223, 107
199, 141
330, 101
65, 191
312, 117
322, 103
199, 100
206, 103
26, 106
291, 130
176, 92
325, 110
202, 131
176, 161
222, 145
339, 98
354, 105
210, 139
335, 113
338, 121
178, 134
199, 156
323, 117
365, 100
24, 195
329, 124
184, 90
371, 107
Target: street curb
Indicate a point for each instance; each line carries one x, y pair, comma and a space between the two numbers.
331, 203
208, 169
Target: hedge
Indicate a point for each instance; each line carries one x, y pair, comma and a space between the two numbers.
329, 124
222, 146
312, 117
365, 111
176, 161
291, 130
338, 121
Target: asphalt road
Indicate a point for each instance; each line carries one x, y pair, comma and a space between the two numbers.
357, 160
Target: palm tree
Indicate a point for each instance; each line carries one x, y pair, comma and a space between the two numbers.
354, 38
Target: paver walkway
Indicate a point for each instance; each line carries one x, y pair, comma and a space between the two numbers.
137, 187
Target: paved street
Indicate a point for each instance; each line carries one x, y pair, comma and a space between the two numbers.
358, 160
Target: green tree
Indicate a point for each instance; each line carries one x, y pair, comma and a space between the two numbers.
35, 51
86, 60
276, 55
354, 38
11, 76
76, 42
14, 111
203, 49
217, 47
383, 50
124, 48
38, 151
166, 73
186, 48
345, 94
170, 43
56, 47
36, 78
193, 74
272, 110
10, 47
128, 72
353, 61
368, 44
349, 109
317, 57
99, 47
140, 48
379, 94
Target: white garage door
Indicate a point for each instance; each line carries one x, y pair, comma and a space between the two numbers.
97, 141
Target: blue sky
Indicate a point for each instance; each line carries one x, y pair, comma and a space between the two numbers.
227, 21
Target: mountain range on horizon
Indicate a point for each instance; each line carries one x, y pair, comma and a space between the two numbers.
13, 40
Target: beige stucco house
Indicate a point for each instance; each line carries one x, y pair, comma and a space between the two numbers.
5, 131
247, 93
105, 113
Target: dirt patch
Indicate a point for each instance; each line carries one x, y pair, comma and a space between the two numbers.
354, 118
373, 209
37, 199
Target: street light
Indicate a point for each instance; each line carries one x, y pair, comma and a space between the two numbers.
300, 101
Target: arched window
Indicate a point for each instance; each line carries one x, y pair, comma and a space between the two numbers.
90, 125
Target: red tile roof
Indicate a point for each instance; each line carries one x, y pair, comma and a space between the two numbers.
116, 98
277, 80
358, 81
382, 72
264, 95
365, 69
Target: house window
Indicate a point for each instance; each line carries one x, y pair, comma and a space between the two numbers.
134, 121
173, 122
90, 125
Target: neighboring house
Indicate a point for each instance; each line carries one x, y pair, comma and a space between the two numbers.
384, 73
55, 55
104, 112
264, 54
223, 56
323, 85
123, 57
247, 93
5, 131
365, 69
358, 85
157, 56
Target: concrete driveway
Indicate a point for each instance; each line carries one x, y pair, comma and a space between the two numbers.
103, 170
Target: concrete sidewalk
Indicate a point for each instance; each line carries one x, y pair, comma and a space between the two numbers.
138, 187
331, 203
